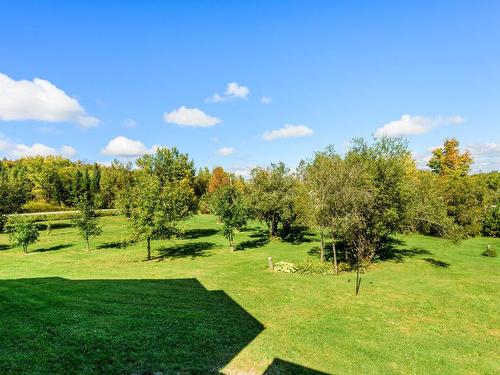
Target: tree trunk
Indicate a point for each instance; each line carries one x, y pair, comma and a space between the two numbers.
322, 246
334, 251
88, 244
149, 248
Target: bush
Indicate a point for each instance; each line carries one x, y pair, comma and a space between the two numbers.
286, 267
309, 267
489, 252
305, 267
36, 206
491, 222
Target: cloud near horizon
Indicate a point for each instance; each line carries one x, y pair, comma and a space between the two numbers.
288, 131
40, 100
192, 117
409, 125
124, 147
20, 150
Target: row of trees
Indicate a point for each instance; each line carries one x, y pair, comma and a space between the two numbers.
356, 200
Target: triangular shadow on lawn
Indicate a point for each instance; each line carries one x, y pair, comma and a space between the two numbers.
119, 327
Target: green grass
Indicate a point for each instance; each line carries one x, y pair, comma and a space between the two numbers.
199, 308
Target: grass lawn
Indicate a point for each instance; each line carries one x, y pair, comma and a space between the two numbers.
198, 308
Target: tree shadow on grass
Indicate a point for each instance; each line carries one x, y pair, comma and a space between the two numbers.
391, 250
185, 250
279, 366
54, 225
52, 248
113, 245
298, 235
259, 238
199, 232
437, 263
5, 247
119, 327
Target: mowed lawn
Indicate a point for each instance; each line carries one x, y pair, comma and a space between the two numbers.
200, 308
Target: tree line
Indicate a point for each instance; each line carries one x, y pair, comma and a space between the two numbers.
355, 201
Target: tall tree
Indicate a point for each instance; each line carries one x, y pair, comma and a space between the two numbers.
229, 205
272, 197
162, 195
87, 221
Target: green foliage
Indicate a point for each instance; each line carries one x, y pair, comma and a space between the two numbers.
272, 197
87, 221
491, 222
307, 267
162, 195
489, 252
286, 267
230, 207
23, 233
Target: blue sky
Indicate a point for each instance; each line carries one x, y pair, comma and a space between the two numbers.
114, 71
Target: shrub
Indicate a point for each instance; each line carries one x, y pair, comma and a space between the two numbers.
491, 222
286, 267
489, 252
309, 267
36, 206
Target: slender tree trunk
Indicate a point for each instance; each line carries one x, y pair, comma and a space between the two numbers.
149, 248
88, 244
322, 246
358, 279
334, 251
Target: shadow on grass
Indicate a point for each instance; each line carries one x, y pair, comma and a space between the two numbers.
4, 247
279, 366
391, 250
113, 245
52, 248
119, 327
298, 235
258, 239
199, 232
54, 225
185, 250
437, 263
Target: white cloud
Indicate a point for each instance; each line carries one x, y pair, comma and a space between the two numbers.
266, 99
40, 100
243, 171
36, 149
190, 117
288, 131
486, 156
129, 123
233, 91
226, 151
414, 125
125, 147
